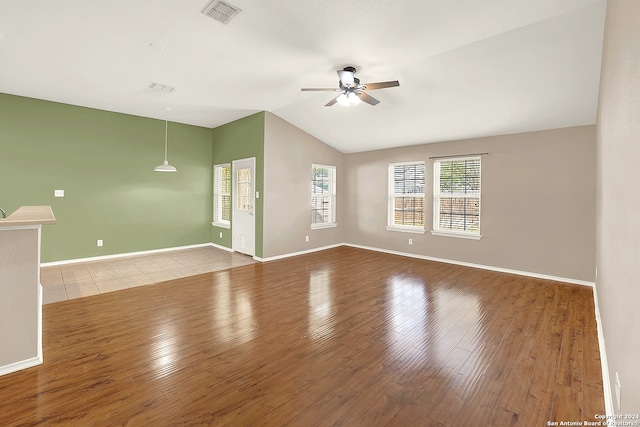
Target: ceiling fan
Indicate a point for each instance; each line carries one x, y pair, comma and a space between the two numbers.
352, 91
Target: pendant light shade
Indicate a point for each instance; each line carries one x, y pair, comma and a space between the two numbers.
165, 167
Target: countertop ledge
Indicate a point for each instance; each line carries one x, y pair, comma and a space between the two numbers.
29, 215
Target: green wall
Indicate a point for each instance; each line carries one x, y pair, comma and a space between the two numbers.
241, 139
104, 162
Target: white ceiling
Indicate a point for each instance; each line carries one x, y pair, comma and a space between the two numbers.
466, 68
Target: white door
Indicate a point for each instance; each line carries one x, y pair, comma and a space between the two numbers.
244, 224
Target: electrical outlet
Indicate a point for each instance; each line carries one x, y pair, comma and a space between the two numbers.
221, 234
58, 193
100, 242
410, 241
618, 387
306, 238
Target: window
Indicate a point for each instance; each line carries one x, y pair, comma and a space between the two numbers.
243, 189
222, 195
456, 197
406, 197
323, 196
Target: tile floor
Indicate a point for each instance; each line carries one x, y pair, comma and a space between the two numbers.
77, 280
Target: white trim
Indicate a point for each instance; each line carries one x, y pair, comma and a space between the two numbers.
217, 191
457, 235
18, 366
429, 258
22, 227
308, 251
235, 230
438, 195
39, 353
392, 195
224, 248
331, 195
291, 254
40, 301
405, 229
606, 381
221, 225
483, 267
113, 256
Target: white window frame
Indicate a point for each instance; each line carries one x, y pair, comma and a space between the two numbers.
330, 194
218, 194
391, 225
438, 195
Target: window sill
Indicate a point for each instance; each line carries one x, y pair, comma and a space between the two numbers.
324, 225
218, 224
406, 230
456, 235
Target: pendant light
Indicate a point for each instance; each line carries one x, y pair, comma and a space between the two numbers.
165, 167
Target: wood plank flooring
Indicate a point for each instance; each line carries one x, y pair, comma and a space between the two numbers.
342, 337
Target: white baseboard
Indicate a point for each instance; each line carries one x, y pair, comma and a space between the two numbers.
224, 248
114, 256
18, 366
287, 255
484, 267
429, 258
322, 248
606, 381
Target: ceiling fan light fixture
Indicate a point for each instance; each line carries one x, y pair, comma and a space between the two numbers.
349, 99
352, 92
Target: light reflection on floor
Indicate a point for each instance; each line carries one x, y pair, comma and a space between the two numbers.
320, 303
233, 311
415, 315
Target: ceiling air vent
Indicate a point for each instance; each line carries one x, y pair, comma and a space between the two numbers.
161, 87
220, 11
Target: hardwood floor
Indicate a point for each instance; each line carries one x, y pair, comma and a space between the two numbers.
339, 337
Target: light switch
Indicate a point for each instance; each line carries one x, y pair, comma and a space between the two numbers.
257, 194
58, 193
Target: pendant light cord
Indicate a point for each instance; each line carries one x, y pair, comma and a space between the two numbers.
166, 127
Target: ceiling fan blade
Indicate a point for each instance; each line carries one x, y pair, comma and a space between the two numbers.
324, 89
368, 98
346, 77
333, 101
381, 85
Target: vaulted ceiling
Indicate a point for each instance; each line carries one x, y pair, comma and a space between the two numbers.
466, 68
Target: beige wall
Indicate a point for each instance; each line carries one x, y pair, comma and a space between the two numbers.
538, 199
618, 206
20, 335
537, 208
288, 155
